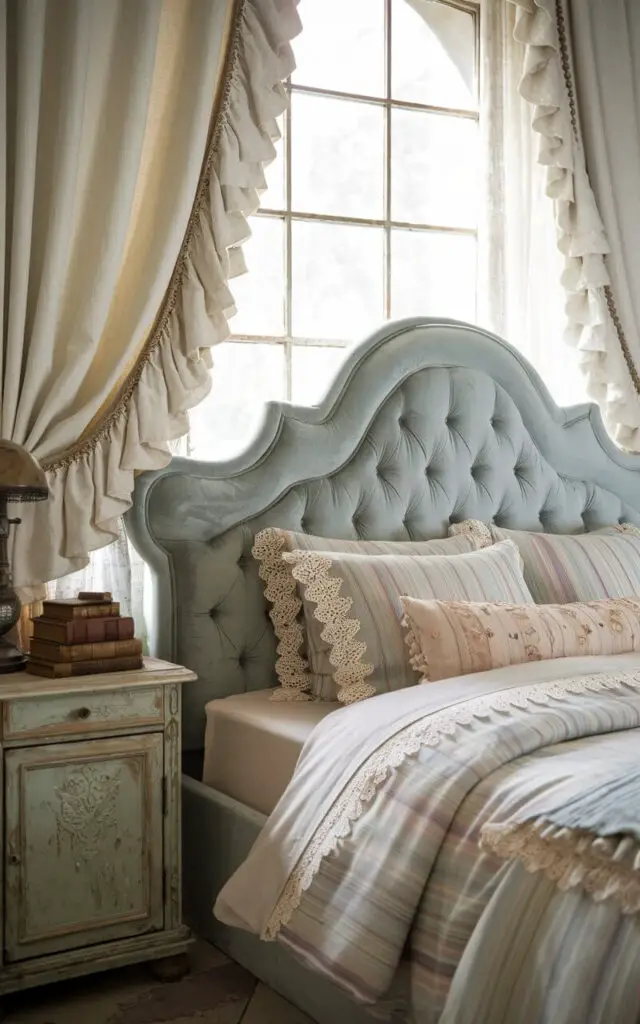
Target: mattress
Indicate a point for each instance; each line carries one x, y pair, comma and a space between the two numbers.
252, 744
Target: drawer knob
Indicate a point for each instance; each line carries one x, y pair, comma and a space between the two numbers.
83, 712
14, 859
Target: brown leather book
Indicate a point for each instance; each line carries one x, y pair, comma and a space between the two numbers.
62, 669
83, 631
46, 650
76, 609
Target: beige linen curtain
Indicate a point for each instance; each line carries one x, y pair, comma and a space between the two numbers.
593, 324
133, 139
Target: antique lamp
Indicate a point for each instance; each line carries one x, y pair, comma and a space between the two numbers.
21, 479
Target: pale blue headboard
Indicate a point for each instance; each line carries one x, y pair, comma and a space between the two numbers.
428, 422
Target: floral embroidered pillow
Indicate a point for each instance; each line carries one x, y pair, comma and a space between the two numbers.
455, 638
561, 568
353, 611
282, 592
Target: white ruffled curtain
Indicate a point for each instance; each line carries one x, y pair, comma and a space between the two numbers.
593, 325
114, 283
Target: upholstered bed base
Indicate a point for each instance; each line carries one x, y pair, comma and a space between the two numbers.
207, 864
427, 423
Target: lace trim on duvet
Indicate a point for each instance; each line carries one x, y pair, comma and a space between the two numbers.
605, 867
280, 589
362, 788
312, 570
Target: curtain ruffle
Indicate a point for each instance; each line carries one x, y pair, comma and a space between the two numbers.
546, 84
91, 484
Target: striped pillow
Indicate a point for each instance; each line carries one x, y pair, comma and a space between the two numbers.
451, 638
281, 589
353, 612
561, 569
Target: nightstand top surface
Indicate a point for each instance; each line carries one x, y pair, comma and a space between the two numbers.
153, 673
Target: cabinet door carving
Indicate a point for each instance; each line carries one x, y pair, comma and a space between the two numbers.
84, 843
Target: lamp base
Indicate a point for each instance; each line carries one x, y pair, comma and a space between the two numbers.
11, 658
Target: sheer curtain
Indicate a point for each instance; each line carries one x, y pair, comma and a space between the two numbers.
117, 568
521, 296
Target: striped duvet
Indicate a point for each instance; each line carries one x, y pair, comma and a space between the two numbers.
370, 871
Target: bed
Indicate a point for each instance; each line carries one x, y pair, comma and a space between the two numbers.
416, 400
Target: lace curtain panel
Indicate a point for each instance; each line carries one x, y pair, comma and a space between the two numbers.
132, 150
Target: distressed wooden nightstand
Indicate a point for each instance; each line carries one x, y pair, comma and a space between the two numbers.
91, 874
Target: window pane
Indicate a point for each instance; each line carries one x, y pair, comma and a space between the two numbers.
433, 274
433, 57
312, 370
434, 169
274, 197
341, 46
337, 149
244, 377
337, 280
260, 294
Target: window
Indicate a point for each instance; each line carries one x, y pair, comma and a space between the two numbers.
371, 207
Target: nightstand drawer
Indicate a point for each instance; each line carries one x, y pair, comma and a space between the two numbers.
80, 714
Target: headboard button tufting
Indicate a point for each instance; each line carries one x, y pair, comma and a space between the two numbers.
387, 462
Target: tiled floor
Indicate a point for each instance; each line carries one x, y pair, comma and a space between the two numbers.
217, 991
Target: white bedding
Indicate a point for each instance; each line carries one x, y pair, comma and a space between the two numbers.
372, 855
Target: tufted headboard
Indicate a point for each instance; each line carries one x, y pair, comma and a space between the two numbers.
428, 422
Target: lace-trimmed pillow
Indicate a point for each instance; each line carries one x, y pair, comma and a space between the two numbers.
455, 638
282, 592
353, 611
561, 568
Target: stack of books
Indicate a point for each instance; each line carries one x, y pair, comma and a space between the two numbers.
82, 636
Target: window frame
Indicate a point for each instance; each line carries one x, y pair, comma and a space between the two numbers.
288, 216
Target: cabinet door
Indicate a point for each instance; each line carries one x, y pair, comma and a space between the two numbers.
83, 852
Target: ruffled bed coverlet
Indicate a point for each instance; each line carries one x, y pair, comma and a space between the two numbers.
370, 868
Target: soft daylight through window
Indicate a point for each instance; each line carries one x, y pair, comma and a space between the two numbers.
371, 210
